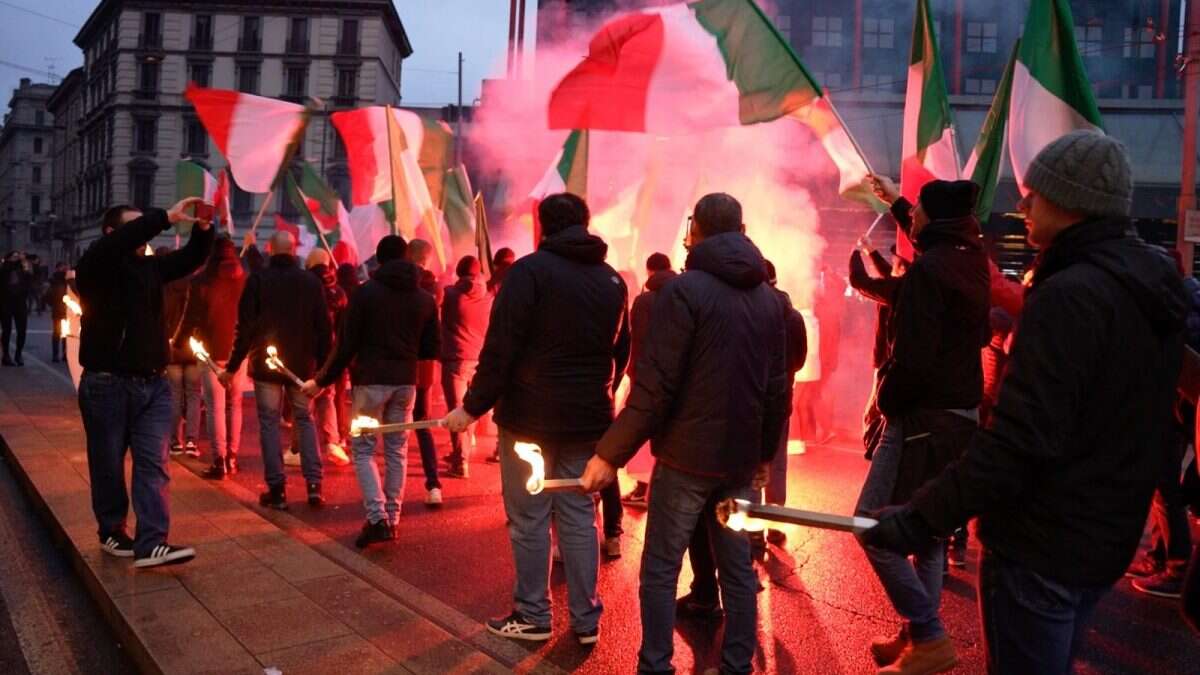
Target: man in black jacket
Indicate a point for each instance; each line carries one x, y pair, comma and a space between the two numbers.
557, 344
390, 325
284, 307
1062, 477
124, 398
711, 397
929, 392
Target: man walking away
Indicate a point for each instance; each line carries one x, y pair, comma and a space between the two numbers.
557, 344
325, 410
283, 307
389, 326
16, 280
419, 252
711, 396
183, 372
124, 398
465, 312
1062, 477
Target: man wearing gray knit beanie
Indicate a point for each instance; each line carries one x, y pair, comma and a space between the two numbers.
1061, 479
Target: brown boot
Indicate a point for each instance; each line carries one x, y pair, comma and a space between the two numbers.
886, 650
924, 658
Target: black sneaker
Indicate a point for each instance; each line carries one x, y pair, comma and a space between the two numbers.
315, 499
517, 627
176, 449
458, 471
191, 450
118, 545
19, 361
165, 554
275, 498
589, 637
375, 533
214, 472
638, 496
689, 606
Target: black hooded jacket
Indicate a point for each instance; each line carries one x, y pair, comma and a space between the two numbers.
557, 343
712, 390
639, 316
938, 324
390, 325
1062, 478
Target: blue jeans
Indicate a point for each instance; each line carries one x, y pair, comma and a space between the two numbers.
1030, 623
914, 588
268, 398
389, 404
456, 375
529, 532
121, 412
677, 501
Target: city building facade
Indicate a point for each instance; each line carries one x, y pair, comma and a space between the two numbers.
25, 169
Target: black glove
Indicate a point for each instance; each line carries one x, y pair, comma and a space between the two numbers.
900, 529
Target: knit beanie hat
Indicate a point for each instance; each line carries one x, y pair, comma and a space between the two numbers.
945, 199
317, 256
1084, 171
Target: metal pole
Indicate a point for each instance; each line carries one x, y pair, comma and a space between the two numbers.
459, 116
521, 39
1191, 110
512, 34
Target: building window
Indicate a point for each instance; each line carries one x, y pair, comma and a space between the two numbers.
35, 205
347, 83
827, 31
974, 85
141, 188
298, 36
1139, 43
39, 117
876, 83
151, 29
197, 139
37, 175
981, 37
349, 42
1138, 91
145, 132
1090, 40
251, 34
37, 146
201, 74
296, 81
248, 79
879, 33
148, 78
202, 31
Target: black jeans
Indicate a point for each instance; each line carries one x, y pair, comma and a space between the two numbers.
1171, 536
1031, 624
429, 460
610, 500
13, 313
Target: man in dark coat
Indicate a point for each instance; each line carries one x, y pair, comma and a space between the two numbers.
283, 306
465, 310
1061, 479
557, 344
390, 326
124, 398
711, 397
929, 392
16, 280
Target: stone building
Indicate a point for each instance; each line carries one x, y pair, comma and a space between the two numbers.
25, 169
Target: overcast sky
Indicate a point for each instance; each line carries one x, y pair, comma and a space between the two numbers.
35, 35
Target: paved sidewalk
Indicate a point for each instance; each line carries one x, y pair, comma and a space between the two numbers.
255, 596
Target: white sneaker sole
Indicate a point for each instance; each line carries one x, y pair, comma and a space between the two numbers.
116, 552
531, 637
173, 558
588, 639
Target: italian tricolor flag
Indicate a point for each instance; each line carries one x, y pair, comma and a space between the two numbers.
928, 147
192, 180
1051, 95
254, 133
568, 173
321, 209
983, 166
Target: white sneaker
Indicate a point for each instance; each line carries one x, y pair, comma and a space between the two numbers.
291, 458
165, 554
434, 497
337, 456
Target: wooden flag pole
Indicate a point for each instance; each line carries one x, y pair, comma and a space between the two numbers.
324, 241
854, 141
388, 122
288, 155
258, 218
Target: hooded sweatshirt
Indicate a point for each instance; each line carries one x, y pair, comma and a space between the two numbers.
557, 343
212, 308
1062, 477
711, 394
389, 325
639, 316
465, 309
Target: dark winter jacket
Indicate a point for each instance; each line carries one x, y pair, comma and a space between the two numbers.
284, 306
1062, 478
212, 310
390, 325
711, 394
121, 292
175, 302
797, 337
16, 280
938, 324
54, 296
639, 316
883, 291
465, 309
557, 343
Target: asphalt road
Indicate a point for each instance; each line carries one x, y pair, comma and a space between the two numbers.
820, 606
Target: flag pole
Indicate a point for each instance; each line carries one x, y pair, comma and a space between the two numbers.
854, 141
288, 155
324, 241
257, 218
387, 110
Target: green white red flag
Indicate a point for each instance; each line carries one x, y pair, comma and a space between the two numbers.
983, 166
193, 180
483, 238
459, 210
321, 209
255, 134
1051, 93
567, 173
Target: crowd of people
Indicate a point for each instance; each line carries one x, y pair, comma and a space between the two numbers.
997, 402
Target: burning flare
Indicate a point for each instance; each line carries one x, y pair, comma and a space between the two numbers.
64, 328
732, 514
361, 424
198, 349
72, 305
532, 454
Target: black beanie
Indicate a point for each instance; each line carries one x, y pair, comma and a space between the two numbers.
946, 199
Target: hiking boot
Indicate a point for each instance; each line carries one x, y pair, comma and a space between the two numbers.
274, 498
690, 606
924, 658
517, 627
1166, 584
887, 650
337, 455
214, 472
165, 554
612, 548
118, 545
315, 499
375, 533
1145, 566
